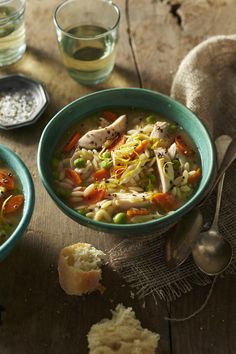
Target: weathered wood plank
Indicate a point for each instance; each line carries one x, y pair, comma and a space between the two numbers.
213, 330
164, 31
39, 317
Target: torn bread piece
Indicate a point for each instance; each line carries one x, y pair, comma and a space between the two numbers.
79, 269
123, 334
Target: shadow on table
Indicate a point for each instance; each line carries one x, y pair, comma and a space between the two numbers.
39, 317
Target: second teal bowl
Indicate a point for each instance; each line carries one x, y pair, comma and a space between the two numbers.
17, 165
127, 97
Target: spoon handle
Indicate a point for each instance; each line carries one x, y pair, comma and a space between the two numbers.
214, 225
229, 157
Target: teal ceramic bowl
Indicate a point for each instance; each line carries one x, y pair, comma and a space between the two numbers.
127, 97
16, 164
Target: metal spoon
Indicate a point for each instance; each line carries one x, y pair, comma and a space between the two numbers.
212, 253
179, 244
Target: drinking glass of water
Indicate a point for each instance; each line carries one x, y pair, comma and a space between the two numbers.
87, 34
12, 31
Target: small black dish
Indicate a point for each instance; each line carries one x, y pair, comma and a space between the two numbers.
22, 101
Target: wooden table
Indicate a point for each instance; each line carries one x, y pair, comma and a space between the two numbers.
36, 315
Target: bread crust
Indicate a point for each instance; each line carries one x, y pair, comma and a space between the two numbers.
73, 280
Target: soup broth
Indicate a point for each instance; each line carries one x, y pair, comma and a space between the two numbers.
11, 202
126, 166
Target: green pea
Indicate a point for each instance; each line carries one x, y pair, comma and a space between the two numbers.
79, 163
176, 164
151, 119
55, 163
106, 155
106, 164
119, 218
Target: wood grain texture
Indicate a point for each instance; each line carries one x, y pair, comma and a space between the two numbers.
164, 31
213, 330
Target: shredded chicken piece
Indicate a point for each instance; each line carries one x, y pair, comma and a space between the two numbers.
96, 138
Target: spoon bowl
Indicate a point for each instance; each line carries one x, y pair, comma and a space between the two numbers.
212, 254
186, 233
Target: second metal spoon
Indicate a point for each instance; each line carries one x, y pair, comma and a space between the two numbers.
211, 252
179, 245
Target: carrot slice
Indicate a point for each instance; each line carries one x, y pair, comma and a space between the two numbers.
117, 171
110, 116
73, 176
182, 146
71, 144
13, 204
120, 140
139, 149
194, 179
7, 180
165, 201
95, 196
103, 173
134, 212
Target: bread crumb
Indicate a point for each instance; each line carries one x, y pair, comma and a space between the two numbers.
132, 295
79, 269
123, 334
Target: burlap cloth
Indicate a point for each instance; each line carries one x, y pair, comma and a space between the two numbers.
206, 83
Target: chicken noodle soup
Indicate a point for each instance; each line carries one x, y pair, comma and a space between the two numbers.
11, 202
126, 166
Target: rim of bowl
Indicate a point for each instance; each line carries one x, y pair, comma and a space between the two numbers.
29, 204
109, 227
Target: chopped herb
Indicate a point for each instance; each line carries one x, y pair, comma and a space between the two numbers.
64, 193
172, 128
176, 164
55, 163
83, 211
151, 119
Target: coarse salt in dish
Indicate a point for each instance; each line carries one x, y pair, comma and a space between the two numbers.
16, 106
22, 101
